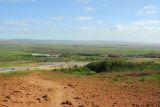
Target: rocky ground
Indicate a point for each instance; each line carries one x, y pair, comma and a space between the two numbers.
63, 90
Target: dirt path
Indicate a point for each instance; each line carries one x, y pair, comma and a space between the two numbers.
36, 92
51, 86
61, 90
59, 95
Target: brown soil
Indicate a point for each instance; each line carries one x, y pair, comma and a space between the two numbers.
59, 90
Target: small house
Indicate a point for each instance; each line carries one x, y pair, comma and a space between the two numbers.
40, 55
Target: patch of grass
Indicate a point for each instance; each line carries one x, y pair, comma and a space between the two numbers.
14, 73
144, 78
149, 77
21, 63
14, 55
76, 71
119, 78
13, 64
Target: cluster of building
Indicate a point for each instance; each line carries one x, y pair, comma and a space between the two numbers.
46, 55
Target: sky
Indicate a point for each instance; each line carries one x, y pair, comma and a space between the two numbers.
110, 20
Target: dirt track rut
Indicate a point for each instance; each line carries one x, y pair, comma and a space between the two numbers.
60, 95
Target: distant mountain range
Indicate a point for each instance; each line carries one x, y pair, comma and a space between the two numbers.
72, 42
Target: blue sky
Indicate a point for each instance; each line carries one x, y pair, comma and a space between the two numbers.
111, 20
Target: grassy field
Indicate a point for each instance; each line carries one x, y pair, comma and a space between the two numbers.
18, 63
13, 50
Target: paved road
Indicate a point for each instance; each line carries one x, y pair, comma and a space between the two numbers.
45, 66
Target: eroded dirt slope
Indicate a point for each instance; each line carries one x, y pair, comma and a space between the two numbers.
59, 90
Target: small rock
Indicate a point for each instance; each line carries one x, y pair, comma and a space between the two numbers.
70, 85
5, 100
45, 97
66, 102
80, 106
77, 98
7, 97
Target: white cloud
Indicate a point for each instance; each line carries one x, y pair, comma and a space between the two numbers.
145, 30
148, 10
89, 9
23, 23
15, 23
83, 18
147, 22
118, 27
145, 25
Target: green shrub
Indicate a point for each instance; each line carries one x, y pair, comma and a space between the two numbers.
120, 65
76, 70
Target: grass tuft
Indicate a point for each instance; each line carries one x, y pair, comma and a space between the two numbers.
14, 73
76, 70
